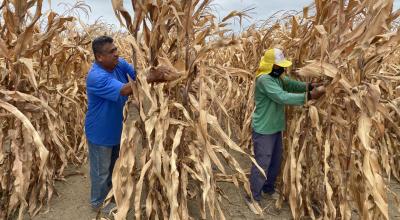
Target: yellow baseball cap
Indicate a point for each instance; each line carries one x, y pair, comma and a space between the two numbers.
271, 57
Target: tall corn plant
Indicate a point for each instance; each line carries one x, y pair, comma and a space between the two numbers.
41, 104
182, 137
337, 158
340, 150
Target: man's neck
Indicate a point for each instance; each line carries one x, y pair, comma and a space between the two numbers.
102, 66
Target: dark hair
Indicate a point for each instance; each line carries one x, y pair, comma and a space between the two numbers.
99, 42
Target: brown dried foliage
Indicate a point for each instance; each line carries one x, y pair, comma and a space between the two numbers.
340, 151
42, 104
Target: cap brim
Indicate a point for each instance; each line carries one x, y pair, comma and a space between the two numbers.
284, 63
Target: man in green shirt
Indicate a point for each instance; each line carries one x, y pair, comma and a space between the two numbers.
272, 92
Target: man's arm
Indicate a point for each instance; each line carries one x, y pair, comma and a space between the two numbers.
278, 95
100, 84
295, 86
157, 74
126, 90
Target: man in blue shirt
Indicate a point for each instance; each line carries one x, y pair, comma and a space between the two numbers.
107, 87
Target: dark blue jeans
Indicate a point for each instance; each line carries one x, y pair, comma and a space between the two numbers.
102, 160
268, 154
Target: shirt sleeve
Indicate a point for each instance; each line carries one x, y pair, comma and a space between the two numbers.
104, 86
275, 92
128, 69
291, 85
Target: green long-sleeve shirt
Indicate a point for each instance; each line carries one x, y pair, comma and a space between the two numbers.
271, 96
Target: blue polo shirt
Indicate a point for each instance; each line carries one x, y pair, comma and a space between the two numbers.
103, 124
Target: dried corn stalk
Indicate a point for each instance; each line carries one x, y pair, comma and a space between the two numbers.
42, 104
340, 150
180, 121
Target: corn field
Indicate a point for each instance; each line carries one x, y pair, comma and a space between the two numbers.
341, 151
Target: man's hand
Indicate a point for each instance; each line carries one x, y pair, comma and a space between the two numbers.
317, 84
162, 73
317, 92
126, 90
159, 74
313, 85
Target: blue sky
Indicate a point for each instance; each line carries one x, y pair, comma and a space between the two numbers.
263, 8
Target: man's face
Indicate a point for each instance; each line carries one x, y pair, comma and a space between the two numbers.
108, 57
275, 67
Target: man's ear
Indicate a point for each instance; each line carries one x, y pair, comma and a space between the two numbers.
98, 58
